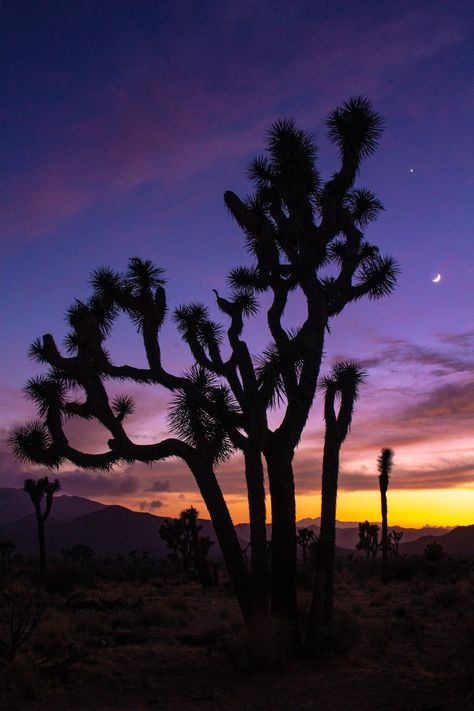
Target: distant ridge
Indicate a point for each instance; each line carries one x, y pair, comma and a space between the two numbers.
113, 530
15, 504
459, 541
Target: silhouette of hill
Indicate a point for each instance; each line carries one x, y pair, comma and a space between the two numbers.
111, 530
459, 541
114, 530
15, 504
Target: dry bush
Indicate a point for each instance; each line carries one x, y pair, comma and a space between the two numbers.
21, 610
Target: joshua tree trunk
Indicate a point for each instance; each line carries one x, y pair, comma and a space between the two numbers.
345, 381
322, 604
282, 491
258, 533
385, 463
227, 539
37, 490
41, 540
385, 576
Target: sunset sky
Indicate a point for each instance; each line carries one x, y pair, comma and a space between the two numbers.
123, 124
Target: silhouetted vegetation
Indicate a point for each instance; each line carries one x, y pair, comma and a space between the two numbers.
433, 551
385, 464
189, 548
295, 226
368, 539
344, 383
305, 538
37, 490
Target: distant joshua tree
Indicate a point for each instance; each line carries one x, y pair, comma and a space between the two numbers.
80, 553
344, 383
433, 551
37, 490
304, 538
368, 539
190, 549
394, 541
385, 464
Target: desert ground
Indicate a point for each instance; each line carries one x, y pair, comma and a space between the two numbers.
131, 636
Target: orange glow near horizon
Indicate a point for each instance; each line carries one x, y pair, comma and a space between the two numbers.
409, 508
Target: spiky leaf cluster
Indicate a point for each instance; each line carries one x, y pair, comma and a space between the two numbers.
32, 443
194, 425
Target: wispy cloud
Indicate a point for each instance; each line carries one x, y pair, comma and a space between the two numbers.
156, 122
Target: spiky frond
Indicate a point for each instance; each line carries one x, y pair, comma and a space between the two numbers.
77, 313
385, 465
293, 153
32, 443
71, 343
36, 351
190, 317
345, 377
142, 274
378, 276
246, 302
106, 282
363, 205
260, 171
123, 406
355, 128
269, 377
45, 392
105, 311
193, 424
210, 332
338, 250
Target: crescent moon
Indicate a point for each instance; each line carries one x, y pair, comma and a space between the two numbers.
437, 278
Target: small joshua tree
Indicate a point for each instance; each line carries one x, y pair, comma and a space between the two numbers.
182, 537
368, 539
433, 551
394, 541
37, 490
385, 464
304, 538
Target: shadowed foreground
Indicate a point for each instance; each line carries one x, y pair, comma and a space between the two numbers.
162, 644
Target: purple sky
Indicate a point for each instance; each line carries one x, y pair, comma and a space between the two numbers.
122, 125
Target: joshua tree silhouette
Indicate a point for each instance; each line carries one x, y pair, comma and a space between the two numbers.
368, 539
304, 538
344, 382
37, 490
295, 226
394, 541
385, 464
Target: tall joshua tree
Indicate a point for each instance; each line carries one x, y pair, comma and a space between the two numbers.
295, 226
344, 383
385, 464
37, 490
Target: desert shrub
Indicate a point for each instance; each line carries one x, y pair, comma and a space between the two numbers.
433, 551
21, 610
